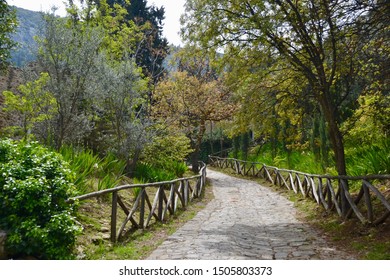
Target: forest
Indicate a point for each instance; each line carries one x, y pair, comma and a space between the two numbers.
302, 85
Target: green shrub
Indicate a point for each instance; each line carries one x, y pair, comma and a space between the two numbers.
110, 172
84, 164
373, 159
148, 173
89, 168
171, 146
34, 186
178, 168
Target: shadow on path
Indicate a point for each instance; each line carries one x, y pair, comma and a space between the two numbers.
245, 221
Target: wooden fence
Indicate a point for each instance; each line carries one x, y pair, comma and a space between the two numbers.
168, 197
368, 204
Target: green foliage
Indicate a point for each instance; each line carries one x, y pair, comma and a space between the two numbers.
169, 146
33, 105
152, 46
304, 161
120, 35
7, 26
287, 60
148, 173
119, 92
178, 168
89, 168
34, 186
361, 160
83, 163
70, 69
370, 122
373, 159
110, 172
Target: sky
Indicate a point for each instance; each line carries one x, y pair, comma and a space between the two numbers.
173, 10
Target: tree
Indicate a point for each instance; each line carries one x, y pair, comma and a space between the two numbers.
313, 37
118, 90
7, 27
70, 69
152, 47
120, 36
34, 105
190, 101
99, 90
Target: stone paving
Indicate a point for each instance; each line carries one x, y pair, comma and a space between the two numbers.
245, 221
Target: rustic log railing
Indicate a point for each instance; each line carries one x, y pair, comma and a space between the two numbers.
369, 204
169, 196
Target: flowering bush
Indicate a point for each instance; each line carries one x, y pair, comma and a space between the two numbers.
34, 186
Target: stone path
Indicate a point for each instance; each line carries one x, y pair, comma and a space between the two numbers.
245, 221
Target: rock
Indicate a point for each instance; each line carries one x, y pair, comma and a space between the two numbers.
96, 240
105, 229
106, 236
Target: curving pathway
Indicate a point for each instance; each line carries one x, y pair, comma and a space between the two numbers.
245, 221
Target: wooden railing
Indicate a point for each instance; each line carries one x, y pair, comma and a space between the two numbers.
139, 210
368, 204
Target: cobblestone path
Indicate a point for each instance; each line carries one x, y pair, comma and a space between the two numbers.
245, 221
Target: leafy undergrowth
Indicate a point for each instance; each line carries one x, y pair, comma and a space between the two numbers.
94, 243
362, 242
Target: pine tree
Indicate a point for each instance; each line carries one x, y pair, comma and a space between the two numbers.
153, 47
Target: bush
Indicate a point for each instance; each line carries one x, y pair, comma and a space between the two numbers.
34, 187
83, 163
372, 159
89, 168
149, 174
178, 168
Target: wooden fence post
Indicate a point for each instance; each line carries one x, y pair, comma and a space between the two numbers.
142, 209
173, 197
113, 216
367, 199
160, 202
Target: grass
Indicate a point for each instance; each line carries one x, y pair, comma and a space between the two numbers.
360, 159
373, 159
303, 161
362, 242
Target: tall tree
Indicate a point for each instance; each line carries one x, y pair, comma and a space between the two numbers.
152, 46
7, 26
313, 37
192, 97
118, 91
188, 103
70, 70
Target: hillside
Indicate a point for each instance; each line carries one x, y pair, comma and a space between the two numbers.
29, 25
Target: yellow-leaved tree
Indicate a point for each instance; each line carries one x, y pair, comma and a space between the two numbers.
188, 102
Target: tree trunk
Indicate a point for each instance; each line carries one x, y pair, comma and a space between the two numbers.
335, 134
211, 139
324, 144
221, 147
195, 161
132, 163
336, 138
198, 144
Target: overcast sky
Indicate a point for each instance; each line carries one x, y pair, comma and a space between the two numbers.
173, 10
